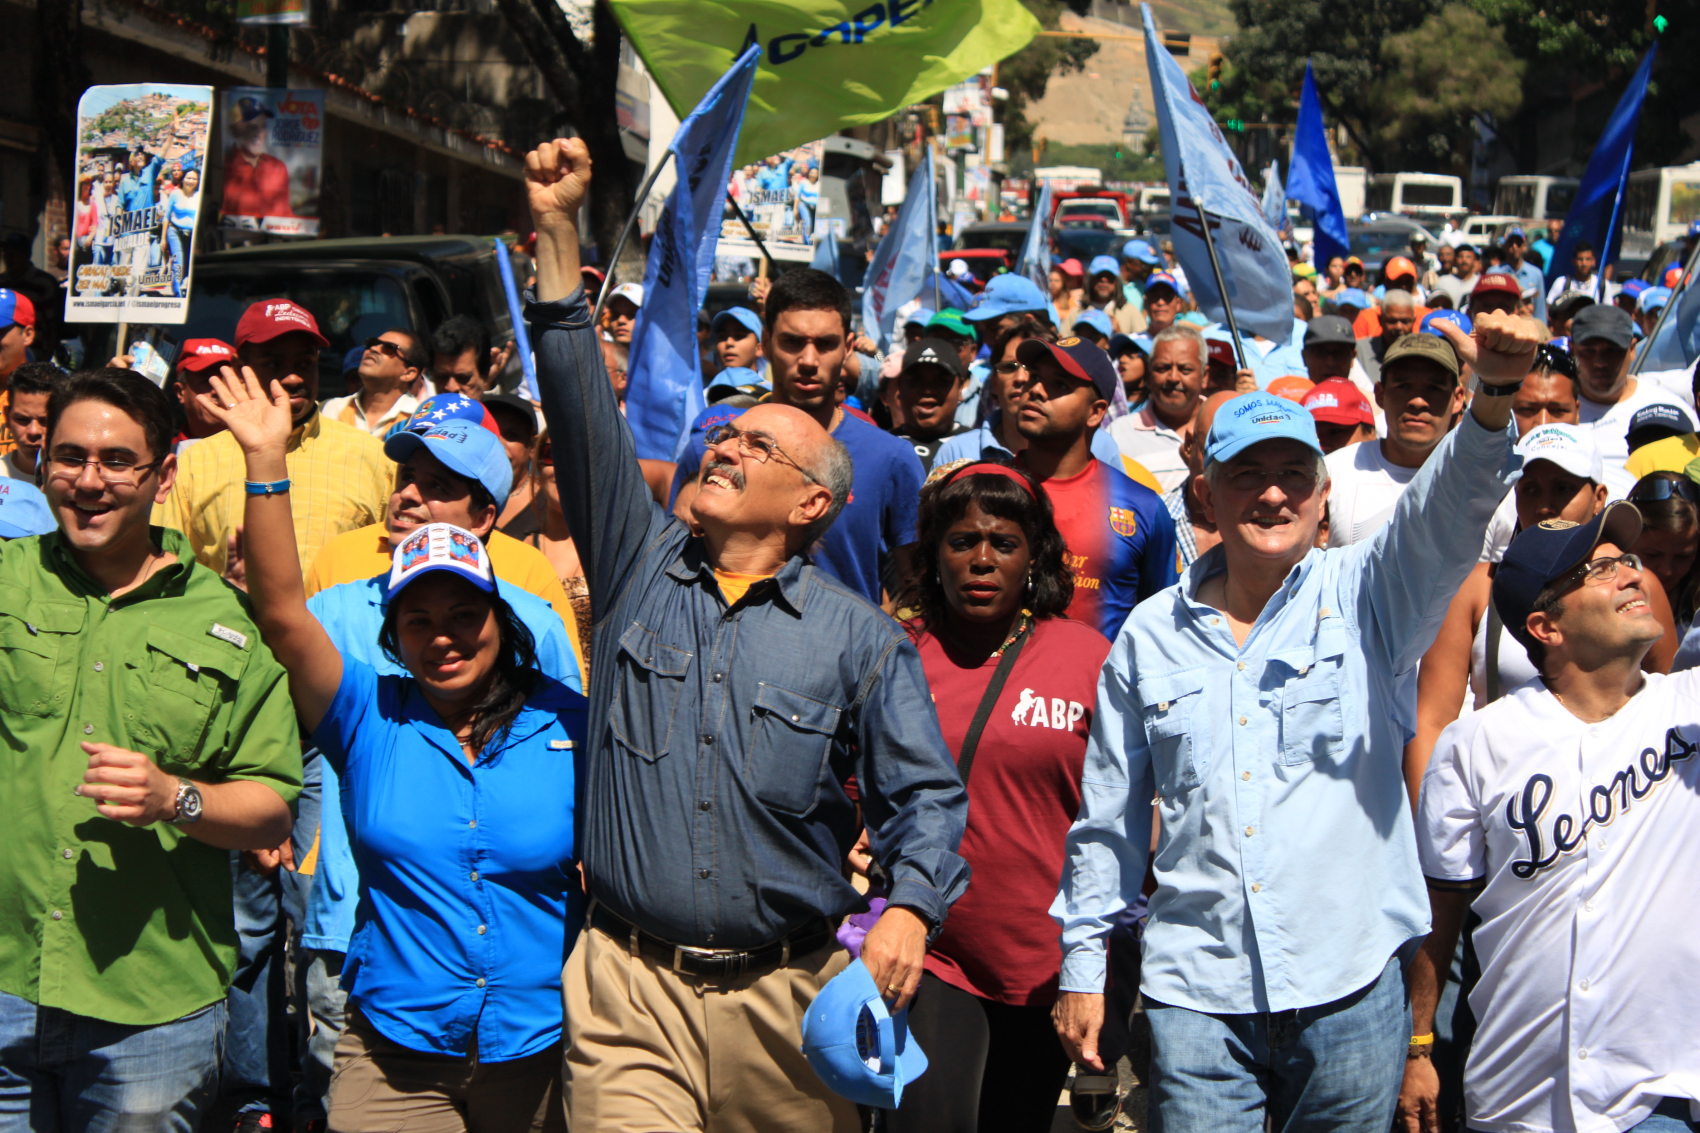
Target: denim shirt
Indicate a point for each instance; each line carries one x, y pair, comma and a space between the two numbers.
713, 810
1287, 866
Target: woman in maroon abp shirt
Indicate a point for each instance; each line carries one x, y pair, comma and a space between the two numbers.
993, 581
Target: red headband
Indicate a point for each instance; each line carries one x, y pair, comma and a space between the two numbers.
987, 468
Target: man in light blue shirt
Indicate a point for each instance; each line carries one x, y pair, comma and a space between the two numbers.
1265, 702
1527, 273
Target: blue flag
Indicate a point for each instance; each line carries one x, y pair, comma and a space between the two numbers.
1207, 186
907, 255
826, 254
1310, 179
1595, 214
665, 392
1274, 197
1035, 259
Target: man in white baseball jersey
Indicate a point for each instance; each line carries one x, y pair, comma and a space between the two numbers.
1567, 814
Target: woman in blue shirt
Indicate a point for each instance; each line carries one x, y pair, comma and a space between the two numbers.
458, 785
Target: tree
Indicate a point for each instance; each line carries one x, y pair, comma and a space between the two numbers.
1026, 73
1394, 73
583, 76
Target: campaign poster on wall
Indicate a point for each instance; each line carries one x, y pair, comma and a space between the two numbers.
141, 157
272, 142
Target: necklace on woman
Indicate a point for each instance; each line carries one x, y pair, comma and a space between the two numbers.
1021, 624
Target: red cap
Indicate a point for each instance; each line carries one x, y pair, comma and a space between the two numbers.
204, 354
1222, 352
1502, 281
1072, 267
1338, 402
1673, 276
1293, 387
269, 318
1397, 267
16, 309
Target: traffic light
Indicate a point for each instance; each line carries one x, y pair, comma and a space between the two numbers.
1215, 70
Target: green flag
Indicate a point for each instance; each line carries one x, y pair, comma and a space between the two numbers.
825, 64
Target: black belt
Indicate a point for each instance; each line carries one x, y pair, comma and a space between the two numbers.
711, 963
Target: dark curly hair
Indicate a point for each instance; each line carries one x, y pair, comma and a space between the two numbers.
944, 502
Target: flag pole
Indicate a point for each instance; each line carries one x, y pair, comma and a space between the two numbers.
933, 220
1664, 312
1221, 287
751, 229
626, 234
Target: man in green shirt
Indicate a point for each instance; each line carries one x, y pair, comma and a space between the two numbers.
145, 732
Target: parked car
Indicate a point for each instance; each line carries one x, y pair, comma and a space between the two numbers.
1007, 235
1383, 238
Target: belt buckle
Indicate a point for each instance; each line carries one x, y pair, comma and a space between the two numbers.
732, 963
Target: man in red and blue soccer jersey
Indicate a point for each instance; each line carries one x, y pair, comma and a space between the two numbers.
1121, 539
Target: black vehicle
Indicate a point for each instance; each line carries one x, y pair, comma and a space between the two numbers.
355, 288
1379, 241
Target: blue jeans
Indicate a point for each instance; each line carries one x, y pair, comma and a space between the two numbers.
1329, 1069
65, 1073
256, 1072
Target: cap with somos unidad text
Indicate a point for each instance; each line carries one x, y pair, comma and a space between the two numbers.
857, 1047
1568, 446
1657, 422
205, 354
1252, 418
272, 318
439, 547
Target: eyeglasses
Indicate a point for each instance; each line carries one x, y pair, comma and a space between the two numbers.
1651, 491
1594, 573
117, 472
388, 349
759, 446
1007, 368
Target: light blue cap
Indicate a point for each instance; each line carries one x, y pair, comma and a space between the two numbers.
23, 510
922, 315
1141, 251
1252, 418
464, 448
1101, 264
1445, 315
856, 1046
1008, 294
1097, 320
735, 377
1353, 297
745, 317
1652, 299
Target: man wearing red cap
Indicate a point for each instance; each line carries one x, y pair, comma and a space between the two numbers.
197, 362
1495, 291
340, 477
17, 331
1342, 412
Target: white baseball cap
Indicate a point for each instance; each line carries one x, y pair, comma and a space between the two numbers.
439, 547
1568, 446
632, 291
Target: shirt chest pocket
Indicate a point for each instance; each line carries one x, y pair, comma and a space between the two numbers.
38, 650
1170, 714
789, 749
1313, 721
175, 686
646, 697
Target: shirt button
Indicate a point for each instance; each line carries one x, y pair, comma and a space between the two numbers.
57, 915
88, 729
1583, 1053
1600, 844
475, 875
1215, 621
474, 822
704, 873
1588, 906
1241, 666
794, 717
1256, 887
1584, 985
68, 854
480, 981
707, 739
98, 666
705, 805
1250, 830
1324, 612
1246, 775
1242, 721
718, 677
481, 930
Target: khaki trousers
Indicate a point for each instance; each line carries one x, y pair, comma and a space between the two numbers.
651, 1050
382, 1087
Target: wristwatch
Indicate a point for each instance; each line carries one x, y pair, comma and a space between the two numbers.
188, 804
1486, 390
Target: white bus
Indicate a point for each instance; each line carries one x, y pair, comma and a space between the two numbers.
1415, 194
1534, 198
1659, 206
